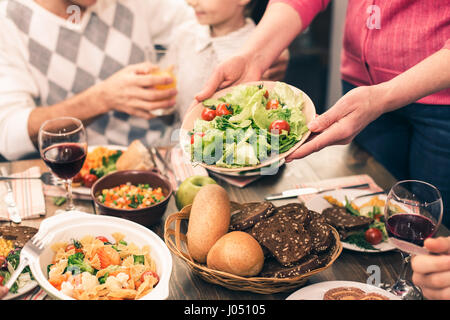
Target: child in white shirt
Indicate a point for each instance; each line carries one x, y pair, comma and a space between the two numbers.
199, 46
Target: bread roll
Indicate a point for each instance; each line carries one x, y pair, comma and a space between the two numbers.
136, 157
208, 221
237, 253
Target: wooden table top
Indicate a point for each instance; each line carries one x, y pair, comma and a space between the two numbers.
332, 162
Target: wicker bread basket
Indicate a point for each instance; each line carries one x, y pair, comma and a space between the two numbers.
175, 238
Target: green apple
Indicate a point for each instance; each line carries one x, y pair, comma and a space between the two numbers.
188, 189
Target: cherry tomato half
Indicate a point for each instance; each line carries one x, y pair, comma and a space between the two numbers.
72, 247
278, 126
223, 109
102, 239
272, 104
373, 236
89, 179
208, 114
200, 134
78, 178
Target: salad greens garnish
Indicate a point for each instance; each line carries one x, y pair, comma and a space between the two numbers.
244, 135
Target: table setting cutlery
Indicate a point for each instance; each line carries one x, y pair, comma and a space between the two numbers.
46, 177
32, 249
166, 170
9, 199
292, 193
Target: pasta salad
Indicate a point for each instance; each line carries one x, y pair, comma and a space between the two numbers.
95, 268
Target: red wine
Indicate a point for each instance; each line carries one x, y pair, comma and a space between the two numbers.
412, 228
65, 160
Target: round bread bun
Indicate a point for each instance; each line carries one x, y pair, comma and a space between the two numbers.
136, 157
208, 221
237, 253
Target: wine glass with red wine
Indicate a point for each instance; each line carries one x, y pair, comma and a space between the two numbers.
63, 147
413, 213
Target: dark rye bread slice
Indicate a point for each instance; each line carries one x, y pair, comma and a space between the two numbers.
18, 234
284, 235
273, 269
343, 221
250, 214
321, 235
298, 212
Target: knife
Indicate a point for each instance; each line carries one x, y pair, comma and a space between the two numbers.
166, 166
292, 193
9, 199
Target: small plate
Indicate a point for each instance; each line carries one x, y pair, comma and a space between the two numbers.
318, 204
316, 291
25, 289
87, 191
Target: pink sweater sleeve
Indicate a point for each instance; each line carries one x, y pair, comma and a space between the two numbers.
307, 9
447, 44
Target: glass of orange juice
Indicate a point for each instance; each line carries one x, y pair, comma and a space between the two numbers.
158, 57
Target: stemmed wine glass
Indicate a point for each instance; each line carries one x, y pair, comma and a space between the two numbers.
63, 147
413, 213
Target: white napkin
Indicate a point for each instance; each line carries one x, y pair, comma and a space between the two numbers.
28, 194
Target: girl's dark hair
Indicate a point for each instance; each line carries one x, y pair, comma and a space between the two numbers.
256, 8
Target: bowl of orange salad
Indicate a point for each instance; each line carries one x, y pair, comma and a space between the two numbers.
94, 257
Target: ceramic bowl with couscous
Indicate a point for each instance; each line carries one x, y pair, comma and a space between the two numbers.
137, 195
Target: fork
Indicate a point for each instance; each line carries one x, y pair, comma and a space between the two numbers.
366, 195
32, 249
46, 177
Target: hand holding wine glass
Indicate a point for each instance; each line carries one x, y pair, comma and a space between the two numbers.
432, 272
63, 147
413, 213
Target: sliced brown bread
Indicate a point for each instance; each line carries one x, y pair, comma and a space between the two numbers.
321, 235
343, 221
273, 269
284, 236
250, 214
298, 212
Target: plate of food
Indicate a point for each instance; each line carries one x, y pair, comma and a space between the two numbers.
247, 127
342, 290
12, 239
104, 159
360, 223
96, 257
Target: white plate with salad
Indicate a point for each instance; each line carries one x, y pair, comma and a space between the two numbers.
250, 126
24, 284
372, 241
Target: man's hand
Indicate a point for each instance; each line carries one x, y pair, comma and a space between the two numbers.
341, 123
132, 90
432, 272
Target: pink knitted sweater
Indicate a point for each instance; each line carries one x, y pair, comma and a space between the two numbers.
384, 38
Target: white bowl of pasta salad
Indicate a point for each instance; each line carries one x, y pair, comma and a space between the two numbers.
95, 257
